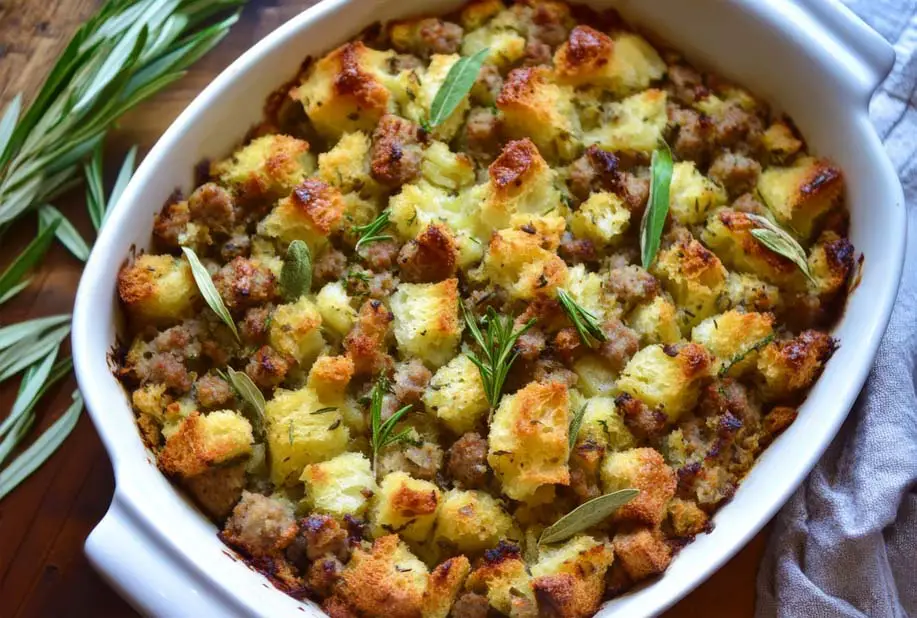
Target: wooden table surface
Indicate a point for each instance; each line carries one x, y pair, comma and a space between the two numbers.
44, 523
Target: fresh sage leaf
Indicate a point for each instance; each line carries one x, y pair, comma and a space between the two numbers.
251, 395
586, 515
458, 83
14, 333
780, 242
296, 274
29, 258
576, 423
208, 290
657, 207
66, 233
35, 383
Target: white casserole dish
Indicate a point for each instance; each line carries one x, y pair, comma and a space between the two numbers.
811, 58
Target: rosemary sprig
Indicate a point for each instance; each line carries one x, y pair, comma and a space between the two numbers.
382, 435
497, 354
738, 358
585, 322
370, 232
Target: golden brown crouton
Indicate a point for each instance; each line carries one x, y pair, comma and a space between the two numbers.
624, 65
800, 194
667, 377
517, 261
643, 469
158, 289
471, 521
778, 420
502, 576
310, 213
330, 376
830, 262
787, 367
694, 276
405, 505
443, 586
569, 580
642, 553
202, 442
686, 519
780, 141
218, 489
267, 168
427, 324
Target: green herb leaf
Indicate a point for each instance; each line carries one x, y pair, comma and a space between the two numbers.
780, 242
66, 233
739, 357
586, 323
29, 258
251, 395
45, 446
586, 515
575, 423
381, 431
208, 290
14, 333
296, 274
124, 177
657, 207
36, 381
370, 232
496, 344
458, 83
324, 410
8, 123
18, 357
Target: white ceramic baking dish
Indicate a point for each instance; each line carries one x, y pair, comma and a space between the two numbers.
812, 58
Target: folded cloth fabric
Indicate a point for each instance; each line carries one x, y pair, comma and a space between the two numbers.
846, 542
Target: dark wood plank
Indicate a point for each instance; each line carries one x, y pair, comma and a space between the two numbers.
43, 525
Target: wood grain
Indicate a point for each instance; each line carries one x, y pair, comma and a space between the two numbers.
44, 523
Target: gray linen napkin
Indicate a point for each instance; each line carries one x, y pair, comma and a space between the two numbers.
846, 542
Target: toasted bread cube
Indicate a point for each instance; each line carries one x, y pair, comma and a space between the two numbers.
267, 168
340, 486
158, 289
602, 218
296, 437
296, 329
502, 576
202, 442
671, 383
728, 234
642, 553
535, 107
800, 194
444, 585
570, 578
420, 87
311, 213
346, 166
334, 306
749, 292
387, 580
329, 376
406, 505
686, 518
470, 522
692, 195
695, 278
515, 260
734, 338
633, 125
595, 375
455, 395
528, 439
588, 290
604, 425
787, 367
346, 90
780, 141
830, 262
426, 320
503, 35
444, 168
475, 14
519, 182
655, 321
643, 469
624, 65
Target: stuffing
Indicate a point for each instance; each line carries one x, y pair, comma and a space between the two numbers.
623, 65
420, 87
346, 90
405, 506
788, 367
799, 195
502, 576
516, 261
641, 552
602, 218
569, 580
734, 338
426, 320
655, 321
692, 195
528, 439
397, 151
158, 289
535, 107
267, 168
695, 278
643, 469
633, 125
296, 436
667, 377
425, 36
431, 257
244, 283
467, 462
329, 377
470, 522
780, 141
296, 330
333, 304
450, 170
261, 526
603, 425
346, 166
455, 395
502, 35
311, 213
748, 292
340, 486
365, 343
202, 442
218, 489
686, 519
830, 262
444, 585
594, 375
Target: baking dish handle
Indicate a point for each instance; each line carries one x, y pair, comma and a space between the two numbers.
125, 553
873, 53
